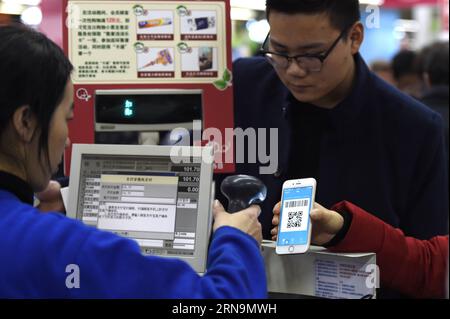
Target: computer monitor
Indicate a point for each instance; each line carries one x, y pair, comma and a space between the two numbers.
163, 201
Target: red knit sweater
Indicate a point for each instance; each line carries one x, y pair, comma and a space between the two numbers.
417, 268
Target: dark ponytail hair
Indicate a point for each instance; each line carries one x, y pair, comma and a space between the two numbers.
33, 71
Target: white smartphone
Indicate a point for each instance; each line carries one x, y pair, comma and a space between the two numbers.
294, 229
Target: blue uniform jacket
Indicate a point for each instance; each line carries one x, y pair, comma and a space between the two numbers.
36, 250
384, 151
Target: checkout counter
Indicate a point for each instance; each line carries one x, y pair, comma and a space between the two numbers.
320, 274
144, 80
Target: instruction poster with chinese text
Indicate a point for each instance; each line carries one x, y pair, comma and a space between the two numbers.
152, 45
127, 42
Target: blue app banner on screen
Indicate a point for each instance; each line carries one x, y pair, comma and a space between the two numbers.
294, 221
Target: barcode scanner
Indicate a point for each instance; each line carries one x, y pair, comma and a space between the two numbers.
242, 191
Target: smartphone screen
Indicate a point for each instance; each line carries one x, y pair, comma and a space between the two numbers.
294, 216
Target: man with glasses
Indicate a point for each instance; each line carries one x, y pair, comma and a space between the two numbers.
363, 140
308, 62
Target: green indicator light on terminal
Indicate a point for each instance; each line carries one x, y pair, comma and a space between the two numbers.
128, 110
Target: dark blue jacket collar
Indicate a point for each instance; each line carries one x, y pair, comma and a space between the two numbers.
16, 186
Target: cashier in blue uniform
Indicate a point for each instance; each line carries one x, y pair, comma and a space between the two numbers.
39, 252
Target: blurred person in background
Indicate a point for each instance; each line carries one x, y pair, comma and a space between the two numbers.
406, 75
435, 75
384, 70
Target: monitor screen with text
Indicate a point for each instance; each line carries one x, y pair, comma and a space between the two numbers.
150, 199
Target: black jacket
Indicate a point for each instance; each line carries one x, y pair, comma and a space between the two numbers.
382, 150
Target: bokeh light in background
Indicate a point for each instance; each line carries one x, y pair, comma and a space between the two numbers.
26, 11
31, 16
257, 30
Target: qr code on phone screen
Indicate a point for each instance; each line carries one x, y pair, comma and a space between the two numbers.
294, 219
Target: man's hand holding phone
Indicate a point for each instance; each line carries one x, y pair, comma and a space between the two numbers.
325, 224
294, 231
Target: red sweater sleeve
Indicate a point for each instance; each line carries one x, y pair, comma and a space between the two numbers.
417, 268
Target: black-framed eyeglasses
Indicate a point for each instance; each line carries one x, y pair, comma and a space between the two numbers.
307, 62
